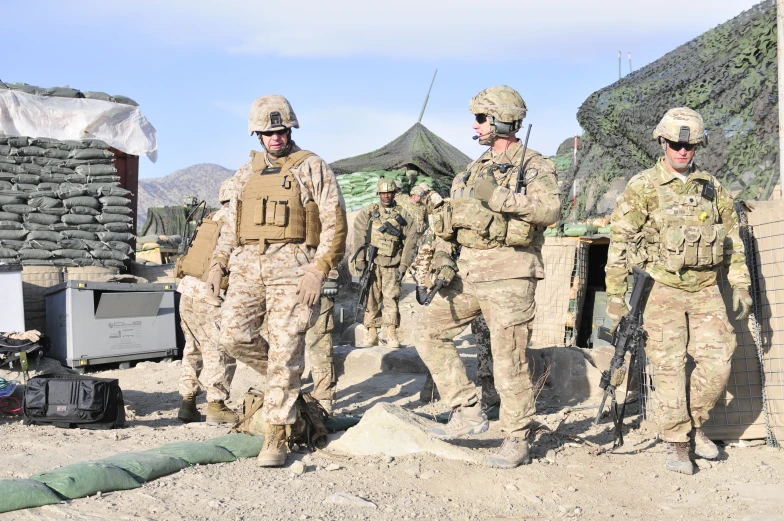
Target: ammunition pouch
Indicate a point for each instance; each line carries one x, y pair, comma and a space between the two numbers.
312, 225
519, 233
692, 246
386, 236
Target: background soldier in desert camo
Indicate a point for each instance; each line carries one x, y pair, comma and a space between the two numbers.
500, 232
678, 223
287, 231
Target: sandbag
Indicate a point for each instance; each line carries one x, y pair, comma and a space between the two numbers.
239, 444
62, 92
118, 227
33, 254
86, 479
55, 153
52, 177
38, 262
109, 263
76, 219
97, 95
8, 216
12, 199
69, 190
97, 245
31, 169
120, 246
196, 452
86, 262
49, 187
41, 218
146, 466
16, 494
10, 225
113, 236
71, 254
37, 227
111, 200
14, 245
90, 153
19, 141
78, 234
31, 151
113, 191
21, 209
6, 185
84, 210
91, 227
59, 227
119, 210
105, 218
44, 142
26, 187
90, 202
93, 170
42, 245
66, 263
108, 254
13, 234
43, 235
8, 253
76, 178
73, 244
60, 211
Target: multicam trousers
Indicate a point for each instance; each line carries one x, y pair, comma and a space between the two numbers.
318, 340
678, 322
509, 308
382, 306
204, 364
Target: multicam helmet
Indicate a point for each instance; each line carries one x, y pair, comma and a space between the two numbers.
681, 125
420, 190
503, 105
385, 185
227, 191
271, 112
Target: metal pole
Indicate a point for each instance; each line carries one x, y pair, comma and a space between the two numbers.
780, 34
630, 63
424, 105
619, 65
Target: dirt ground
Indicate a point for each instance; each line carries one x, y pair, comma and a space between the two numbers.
567, 479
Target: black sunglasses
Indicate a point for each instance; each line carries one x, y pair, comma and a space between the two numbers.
481, 118
269, 133
679, 146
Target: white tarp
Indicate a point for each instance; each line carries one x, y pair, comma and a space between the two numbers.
123, 127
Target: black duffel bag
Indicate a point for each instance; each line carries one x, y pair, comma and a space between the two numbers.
68, 400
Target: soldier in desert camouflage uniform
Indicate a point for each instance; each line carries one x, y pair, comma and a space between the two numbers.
395, 254
287, 231
204, 363
678, 223
501, 233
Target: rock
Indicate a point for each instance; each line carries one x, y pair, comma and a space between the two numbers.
578, 511
427, 474
510, 487
332, 467
551, 456
353, 335
348, 500
571, 489
573, 379
373, 360
297, 468
393, 431
412, 470
703, 464
387, 459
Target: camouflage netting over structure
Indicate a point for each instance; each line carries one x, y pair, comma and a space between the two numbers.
417, 149
728, 75
165, 220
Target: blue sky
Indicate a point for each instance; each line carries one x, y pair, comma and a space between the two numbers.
356, 72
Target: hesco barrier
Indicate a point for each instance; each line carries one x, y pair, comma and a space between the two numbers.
727, 74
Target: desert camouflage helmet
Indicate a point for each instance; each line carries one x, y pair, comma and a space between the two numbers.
227, 191
503, 103
420, 190
385, 185
681, 125
271, 112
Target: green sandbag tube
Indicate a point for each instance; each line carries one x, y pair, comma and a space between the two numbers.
85, 479
196, 452
241, 445
16, 494
146, 466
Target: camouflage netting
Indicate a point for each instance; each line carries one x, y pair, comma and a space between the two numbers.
728, 75
165, 220
417, 150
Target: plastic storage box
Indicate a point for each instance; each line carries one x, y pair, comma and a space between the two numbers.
92, 323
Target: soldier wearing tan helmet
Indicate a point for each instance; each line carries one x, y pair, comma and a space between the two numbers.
204, 364
678, 223
391, 229
287, 231
488, 254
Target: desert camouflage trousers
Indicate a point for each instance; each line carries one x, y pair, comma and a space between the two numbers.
318, 340
508, 307
382, 306
678, 323
484, 356
264, 327
204, 364
420, 268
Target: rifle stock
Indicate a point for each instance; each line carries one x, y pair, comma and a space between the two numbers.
365, 281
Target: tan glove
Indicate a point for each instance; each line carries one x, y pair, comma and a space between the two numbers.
215, 276
616, 309
741, 302
309, 289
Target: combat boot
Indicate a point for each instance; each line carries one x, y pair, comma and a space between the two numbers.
219, 414
490, 397
273, 451
513, 453
188, 412
392, 340
678, 458
429, 392
703, 446
464, 420
372, 337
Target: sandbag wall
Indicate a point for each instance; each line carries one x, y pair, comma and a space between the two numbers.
359, 188
61, 204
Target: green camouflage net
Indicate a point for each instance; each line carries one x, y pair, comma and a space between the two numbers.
418, 151
727, 74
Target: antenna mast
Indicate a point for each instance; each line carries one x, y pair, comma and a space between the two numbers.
424, 105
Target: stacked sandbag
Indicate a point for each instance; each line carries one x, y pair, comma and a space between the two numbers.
359, 188
61, 204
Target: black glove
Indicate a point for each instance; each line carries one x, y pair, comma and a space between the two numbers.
330, 287
421, 294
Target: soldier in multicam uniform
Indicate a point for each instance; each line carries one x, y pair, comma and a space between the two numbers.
395, 254
318, 340
501, 233
204, 363
678, 223
287, 231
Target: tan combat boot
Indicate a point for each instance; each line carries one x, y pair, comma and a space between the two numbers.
678, 458
429, 392
188, 412
513, 453
464, 420
219, 414
703, 446
372, 337
490, 397
392, 340
273, 452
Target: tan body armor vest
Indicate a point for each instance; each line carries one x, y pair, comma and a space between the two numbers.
388, 245
683, 232
270, 207
196, 261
